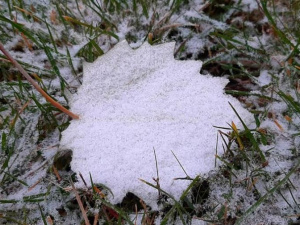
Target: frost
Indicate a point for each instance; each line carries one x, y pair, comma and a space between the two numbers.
134, 101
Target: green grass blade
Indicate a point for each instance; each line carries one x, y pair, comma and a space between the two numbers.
280, 33
42, 214
8, 201
16, 179
51, 37
290, 101
246, 93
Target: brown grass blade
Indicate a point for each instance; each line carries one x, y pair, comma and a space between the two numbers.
80, 204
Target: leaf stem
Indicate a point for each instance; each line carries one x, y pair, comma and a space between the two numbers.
37, 87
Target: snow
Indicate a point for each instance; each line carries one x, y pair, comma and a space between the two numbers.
249, 5
264, 78
134, 101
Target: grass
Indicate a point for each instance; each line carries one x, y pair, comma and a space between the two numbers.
230, 50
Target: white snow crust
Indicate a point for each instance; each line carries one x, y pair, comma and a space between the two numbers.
134, 101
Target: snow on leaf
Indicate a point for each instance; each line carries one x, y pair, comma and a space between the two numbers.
132, 101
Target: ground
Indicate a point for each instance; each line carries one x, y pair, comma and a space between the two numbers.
255, 44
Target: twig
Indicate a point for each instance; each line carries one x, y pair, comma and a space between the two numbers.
37, 87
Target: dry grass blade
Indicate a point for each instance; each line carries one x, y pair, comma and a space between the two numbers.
55, 171
236, 133
278, 125
34, 185
96, 218
148, 220
29, 13
80, 204
13, 122
37, 87
136, 214
27, 42
49, 220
